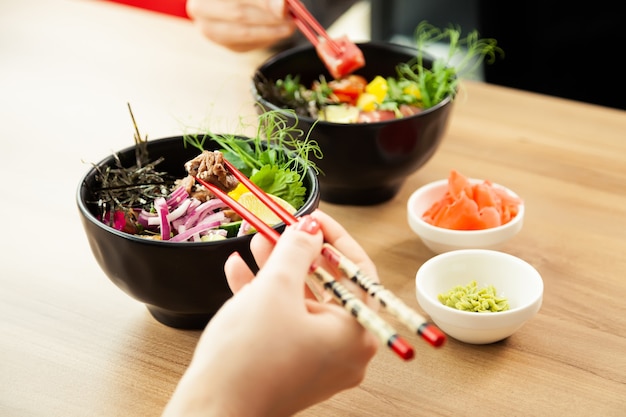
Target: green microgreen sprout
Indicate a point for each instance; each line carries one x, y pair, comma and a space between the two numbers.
276, 158
442, 78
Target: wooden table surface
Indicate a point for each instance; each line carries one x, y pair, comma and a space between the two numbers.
73, 344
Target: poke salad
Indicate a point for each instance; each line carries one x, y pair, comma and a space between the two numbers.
416, 86
148, 203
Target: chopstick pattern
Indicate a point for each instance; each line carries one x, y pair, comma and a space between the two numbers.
359, 310
364, 315
405, 314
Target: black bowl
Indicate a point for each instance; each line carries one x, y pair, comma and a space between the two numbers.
364, 163
182, 284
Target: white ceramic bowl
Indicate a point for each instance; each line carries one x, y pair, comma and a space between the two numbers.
439, 239
516, 280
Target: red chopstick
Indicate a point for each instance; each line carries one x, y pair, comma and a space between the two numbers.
409, 317
309, 26
359, 310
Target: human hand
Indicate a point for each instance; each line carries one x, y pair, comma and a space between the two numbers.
270, 350
242, 25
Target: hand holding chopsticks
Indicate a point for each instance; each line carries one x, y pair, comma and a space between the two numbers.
355, 306
243, 26
343, 296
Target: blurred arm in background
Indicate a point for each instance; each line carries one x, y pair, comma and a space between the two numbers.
244, 25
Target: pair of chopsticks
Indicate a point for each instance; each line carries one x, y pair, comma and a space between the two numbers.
309, 26
362, 313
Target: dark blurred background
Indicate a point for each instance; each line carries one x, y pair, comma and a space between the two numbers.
552, 47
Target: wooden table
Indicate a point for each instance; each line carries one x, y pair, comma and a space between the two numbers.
72, 344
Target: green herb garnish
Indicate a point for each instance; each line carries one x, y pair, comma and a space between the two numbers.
276, 158
442, 78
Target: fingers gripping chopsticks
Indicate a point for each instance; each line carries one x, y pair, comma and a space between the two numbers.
361, 312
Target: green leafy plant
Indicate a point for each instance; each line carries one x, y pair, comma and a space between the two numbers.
276, 158
465, 54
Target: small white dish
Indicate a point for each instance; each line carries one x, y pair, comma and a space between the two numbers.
513, 278
439, 239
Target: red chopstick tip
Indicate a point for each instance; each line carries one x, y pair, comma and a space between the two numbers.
402, 348
432, 334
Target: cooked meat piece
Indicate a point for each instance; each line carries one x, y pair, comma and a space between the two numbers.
232, 215
202, 194
188, 182
209, 166
194, 189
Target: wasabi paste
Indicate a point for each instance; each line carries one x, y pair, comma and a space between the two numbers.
472, 298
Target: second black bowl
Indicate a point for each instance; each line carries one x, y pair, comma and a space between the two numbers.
362, 163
